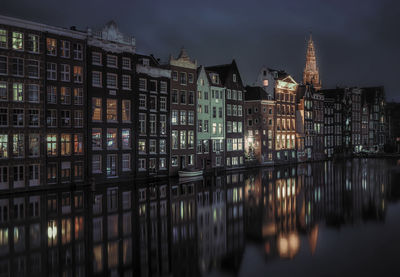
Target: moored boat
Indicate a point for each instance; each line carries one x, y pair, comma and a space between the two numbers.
190, 173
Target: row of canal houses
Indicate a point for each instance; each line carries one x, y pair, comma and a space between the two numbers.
84, 107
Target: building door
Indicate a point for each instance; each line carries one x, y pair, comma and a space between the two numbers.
183, 163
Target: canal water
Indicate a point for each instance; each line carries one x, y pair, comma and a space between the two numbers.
318, 219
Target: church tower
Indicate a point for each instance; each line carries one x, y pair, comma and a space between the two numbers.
311, 74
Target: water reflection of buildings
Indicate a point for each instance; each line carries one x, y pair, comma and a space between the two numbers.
285, 203
159, 229
185, 229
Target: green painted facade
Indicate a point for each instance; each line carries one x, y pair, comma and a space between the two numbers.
210, 120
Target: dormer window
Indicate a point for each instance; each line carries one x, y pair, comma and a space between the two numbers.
146, 62
234, 78
215, 78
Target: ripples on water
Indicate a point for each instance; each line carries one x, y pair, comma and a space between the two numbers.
320, 219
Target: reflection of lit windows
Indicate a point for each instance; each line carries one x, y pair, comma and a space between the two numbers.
79, 223
97, 258
65, 230
112, 250
52, 232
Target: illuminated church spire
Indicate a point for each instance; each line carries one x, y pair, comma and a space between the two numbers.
311, 74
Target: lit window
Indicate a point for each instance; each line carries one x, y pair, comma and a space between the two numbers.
65, 95
78, 144
96, 139
142, 145
126, 138
111, 110
78, 74
112, 138
17, 41
18, 145
65, 144
3, 38
78, 96
65, 49
3, 145
51, 46
51, 145
97, 109
18, 92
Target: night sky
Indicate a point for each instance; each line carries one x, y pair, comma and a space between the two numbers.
357, 42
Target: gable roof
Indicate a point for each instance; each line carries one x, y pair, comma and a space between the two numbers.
255, 93
224, 69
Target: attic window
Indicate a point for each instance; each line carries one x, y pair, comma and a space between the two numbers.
265, 73
234, 78
215, 79
146, 62
265, 83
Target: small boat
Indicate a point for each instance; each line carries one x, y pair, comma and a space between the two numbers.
190, 172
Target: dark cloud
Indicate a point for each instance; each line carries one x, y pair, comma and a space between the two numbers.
357, 42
